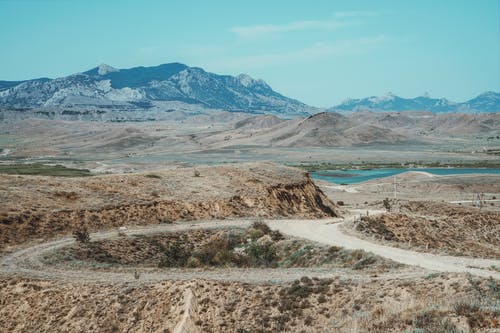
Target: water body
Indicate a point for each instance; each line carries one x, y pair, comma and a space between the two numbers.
358, 176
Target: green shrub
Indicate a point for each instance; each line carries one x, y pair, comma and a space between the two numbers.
254, 234
219, 252
364, 262
82, 235
259, 225
262, 254
175, 255
276, 235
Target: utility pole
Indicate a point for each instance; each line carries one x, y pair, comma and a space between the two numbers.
395, 189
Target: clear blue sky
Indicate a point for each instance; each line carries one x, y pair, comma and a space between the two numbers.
319, 52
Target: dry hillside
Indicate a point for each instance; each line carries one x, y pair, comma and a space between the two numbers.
37, 207
434, 226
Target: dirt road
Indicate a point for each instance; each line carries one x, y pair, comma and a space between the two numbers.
26, 262
324, 231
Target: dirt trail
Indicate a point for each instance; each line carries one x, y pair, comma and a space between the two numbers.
26, 262
324, 231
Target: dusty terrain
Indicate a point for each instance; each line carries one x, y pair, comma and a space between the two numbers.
437, 227
321, 280
39, 207
433, 304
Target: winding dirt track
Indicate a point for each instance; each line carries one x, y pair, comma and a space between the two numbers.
26, 262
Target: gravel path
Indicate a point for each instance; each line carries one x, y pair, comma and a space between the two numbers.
326, 232
26, 262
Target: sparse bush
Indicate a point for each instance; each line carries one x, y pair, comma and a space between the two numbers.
152, 175
429, 322
166, 220
175, 255
322, 299
340, 203
376, 226
219, 252
465, 308
276, 235
262, 254
193, 262
259, 225
82, 235
308, 321
364, 262
298, 290
334, 249
197, 173
387, 204
254, 234
432, 276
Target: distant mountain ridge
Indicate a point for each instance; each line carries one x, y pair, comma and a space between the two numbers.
106, 87
485, 102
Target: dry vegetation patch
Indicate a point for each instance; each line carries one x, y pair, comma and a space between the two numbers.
256, 246
455, 230
441, 303
34, 207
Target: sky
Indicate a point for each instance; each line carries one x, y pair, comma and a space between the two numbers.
319, 52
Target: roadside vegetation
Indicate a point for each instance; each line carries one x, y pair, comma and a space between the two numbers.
321, 166
38, 169
256, 246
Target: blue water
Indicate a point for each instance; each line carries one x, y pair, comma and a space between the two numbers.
358, 176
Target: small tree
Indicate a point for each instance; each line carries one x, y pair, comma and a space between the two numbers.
82, 235
387, 204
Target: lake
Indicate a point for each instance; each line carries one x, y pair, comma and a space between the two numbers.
357, 176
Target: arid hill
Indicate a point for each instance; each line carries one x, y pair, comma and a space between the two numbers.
36, 206
326, 129
420, 123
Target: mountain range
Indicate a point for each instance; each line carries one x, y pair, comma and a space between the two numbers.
177, 91
160, 87
485, 102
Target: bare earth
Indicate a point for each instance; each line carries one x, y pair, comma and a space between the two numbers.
432, 293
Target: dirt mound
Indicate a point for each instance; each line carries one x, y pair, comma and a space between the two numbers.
41, 207
455, 230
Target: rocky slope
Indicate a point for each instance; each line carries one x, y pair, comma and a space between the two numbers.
156, 88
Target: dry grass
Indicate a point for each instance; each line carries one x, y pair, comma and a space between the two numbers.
257, 246
451, 229
42, 207
445, 303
